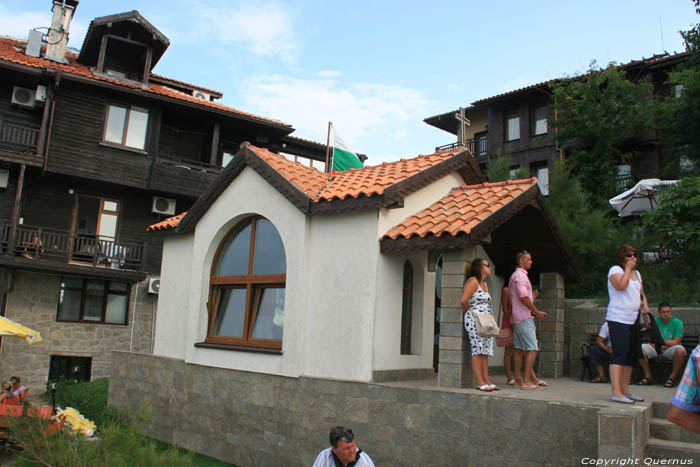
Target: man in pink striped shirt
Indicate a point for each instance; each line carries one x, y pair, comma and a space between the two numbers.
524, 309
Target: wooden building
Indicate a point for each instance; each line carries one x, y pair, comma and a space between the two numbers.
94, 147
519, 123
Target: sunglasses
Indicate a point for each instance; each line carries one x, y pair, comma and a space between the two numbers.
631, 255
486, 265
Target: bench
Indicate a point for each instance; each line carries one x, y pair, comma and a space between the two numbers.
661, 367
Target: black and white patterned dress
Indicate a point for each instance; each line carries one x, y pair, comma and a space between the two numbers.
480, 303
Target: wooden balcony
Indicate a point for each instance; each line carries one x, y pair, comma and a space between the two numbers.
18, 143
182, 177
52, 250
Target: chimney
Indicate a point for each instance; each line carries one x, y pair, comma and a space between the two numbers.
60, 26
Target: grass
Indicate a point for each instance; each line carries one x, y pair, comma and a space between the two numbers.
198, 460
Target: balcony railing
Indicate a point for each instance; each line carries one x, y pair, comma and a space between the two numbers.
16, 134
59, 246
468, 144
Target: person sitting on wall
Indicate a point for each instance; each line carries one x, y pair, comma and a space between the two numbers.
33, 249
18, 390
600, 353
671, 329
343, 451
6, 392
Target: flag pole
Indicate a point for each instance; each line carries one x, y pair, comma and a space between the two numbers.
328, 142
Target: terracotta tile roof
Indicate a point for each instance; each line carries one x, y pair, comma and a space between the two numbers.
169, 223
461, 210
367, 181
12, 50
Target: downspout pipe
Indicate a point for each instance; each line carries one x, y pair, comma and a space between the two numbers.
52, 103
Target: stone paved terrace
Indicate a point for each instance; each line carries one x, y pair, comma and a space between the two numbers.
252, 419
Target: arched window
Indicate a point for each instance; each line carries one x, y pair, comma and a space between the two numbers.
246, 294
407, 308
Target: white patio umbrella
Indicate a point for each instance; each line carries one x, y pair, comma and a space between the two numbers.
640, 198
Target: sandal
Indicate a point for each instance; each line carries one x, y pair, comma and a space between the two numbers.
644, 382
669, 383
541, 383
494, 387
484, 387
511, 382
598, 379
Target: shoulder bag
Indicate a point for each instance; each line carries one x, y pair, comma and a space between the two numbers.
486, 325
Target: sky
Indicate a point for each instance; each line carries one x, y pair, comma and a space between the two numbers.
377, 68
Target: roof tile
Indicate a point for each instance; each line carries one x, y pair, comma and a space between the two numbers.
465, 206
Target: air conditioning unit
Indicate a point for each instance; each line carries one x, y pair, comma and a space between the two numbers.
202, 95
154, 285
163, 206
23, 97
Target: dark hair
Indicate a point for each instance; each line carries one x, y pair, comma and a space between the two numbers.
475, 268
623, 250
340, 433
519, 255
664, 305
14, 379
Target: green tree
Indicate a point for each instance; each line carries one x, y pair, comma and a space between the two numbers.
498, 169
599, 114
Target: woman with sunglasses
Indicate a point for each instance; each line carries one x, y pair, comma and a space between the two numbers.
476, 297
626, 300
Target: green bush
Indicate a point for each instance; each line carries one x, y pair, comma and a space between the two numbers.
89, 398
118, 446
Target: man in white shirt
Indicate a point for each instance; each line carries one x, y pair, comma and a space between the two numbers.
343, 451
600, 353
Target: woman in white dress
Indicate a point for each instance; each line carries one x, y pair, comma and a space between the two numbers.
476, 297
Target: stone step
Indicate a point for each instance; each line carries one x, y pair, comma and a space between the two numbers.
660, 409
660, 428
682, 453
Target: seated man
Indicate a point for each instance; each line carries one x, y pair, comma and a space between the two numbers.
671, 329
600, 354
685, 403
343, 451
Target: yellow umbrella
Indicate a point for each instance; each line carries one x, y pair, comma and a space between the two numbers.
12, 329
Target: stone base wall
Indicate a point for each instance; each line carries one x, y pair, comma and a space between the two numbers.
33, 302
252, 419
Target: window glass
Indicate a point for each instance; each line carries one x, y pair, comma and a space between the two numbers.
230, 316
269, 252
118, 286
108, 225
226, 158
69, 305
111, 206
542, 175
116, 309
94, 298
540, 117
513, 126
481, 150
116, 117
234, 255
136, 133
269, 311
75, 282
406, 308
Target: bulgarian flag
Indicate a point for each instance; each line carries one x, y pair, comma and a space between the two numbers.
343, 157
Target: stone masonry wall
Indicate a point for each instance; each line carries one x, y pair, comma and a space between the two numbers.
33, 302
252, 419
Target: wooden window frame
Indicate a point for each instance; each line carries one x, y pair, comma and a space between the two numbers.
253, 284
407, 311
83, 293
125, 131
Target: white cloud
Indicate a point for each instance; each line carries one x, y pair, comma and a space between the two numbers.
264, 29
328, 74
363, 113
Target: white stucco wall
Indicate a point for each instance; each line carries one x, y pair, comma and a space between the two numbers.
173, 297
387, 340
417, 201
341, 267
